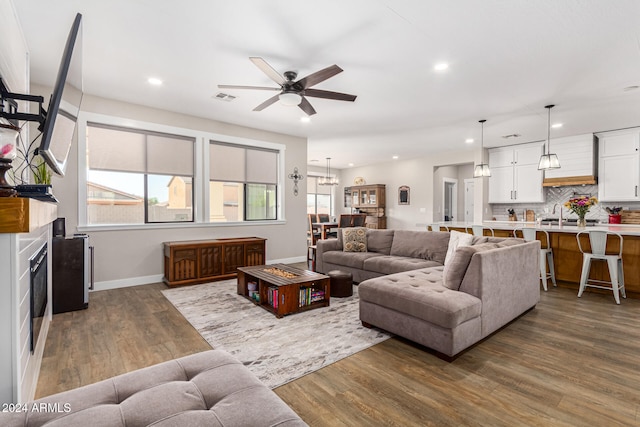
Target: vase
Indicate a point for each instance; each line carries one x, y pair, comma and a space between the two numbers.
581, 222
615, 219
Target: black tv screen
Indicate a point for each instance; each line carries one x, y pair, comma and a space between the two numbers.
60, 122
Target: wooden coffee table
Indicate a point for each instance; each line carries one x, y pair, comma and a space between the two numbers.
281, 289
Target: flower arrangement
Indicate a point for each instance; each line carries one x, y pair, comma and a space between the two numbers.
614, 210
580, 205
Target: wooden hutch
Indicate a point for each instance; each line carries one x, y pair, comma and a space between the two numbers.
370, 199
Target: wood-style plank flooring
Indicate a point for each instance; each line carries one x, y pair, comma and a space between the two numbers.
568, 362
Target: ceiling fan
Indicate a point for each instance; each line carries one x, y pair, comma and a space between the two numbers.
294, 92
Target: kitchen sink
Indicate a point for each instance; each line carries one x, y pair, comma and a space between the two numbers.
570, 221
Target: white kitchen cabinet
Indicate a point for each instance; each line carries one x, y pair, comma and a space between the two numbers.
619, 166
577, 156
515, 177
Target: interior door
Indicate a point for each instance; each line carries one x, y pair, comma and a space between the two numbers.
450, 199
469, 187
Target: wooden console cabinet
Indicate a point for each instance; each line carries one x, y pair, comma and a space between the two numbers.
201, 261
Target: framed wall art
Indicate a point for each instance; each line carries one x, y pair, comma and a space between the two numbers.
404, 195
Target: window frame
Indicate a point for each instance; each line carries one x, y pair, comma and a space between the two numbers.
200, 178
147, 173
332, 207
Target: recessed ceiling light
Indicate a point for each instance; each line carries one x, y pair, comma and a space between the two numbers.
395, 157
556, 125
305, 119
441, 66
154, 81
350, 164
468, 140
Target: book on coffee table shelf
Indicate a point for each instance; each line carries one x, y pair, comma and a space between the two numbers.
282, 289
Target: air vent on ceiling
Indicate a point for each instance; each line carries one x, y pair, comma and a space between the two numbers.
513, 135
224, 97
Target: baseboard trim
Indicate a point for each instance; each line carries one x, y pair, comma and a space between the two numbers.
125, 283
156, 278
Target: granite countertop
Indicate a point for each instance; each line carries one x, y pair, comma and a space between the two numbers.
625, 229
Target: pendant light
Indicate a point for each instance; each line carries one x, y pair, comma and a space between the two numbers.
328, 179
548, 160
482, 169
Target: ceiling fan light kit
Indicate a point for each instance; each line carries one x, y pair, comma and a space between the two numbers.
294, 92
548, 160
482, 169
290, 99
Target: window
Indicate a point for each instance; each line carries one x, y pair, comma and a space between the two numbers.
137, 176
318, 197
242, 183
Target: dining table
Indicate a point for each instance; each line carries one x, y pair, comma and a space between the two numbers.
324, 227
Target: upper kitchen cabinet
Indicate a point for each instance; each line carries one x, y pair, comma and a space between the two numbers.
619, 165
515, 177
578, 160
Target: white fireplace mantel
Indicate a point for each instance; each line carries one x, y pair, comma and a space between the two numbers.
25, 226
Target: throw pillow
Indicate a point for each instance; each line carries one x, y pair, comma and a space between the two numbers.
455, 270
354, 239
456, 240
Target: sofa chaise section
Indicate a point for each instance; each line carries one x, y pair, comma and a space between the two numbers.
500, 283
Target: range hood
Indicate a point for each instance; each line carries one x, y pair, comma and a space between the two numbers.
578, 157
570, 180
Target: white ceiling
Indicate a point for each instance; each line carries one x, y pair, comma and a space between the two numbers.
508, 59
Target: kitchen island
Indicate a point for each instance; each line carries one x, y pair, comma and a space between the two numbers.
566, 255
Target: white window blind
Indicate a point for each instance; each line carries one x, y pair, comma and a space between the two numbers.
232, 163
120, 150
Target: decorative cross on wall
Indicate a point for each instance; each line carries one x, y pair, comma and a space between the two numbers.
295, 176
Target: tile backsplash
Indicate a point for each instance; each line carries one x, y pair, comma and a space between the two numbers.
558, 196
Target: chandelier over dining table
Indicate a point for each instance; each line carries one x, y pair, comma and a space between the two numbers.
328, 179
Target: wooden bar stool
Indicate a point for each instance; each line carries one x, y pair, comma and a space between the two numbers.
598, 241
530, 234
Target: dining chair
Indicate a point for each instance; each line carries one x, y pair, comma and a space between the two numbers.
312, 233
323, 217
358, 220
529, 234
345, 220
598, 240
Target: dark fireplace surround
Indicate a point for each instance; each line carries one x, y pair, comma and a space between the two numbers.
39, 295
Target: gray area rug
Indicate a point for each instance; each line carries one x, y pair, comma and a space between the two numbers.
276, 350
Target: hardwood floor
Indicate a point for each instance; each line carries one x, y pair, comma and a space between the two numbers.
568, 362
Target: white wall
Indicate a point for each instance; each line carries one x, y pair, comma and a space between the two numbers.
418, 174
129, 257
18, 366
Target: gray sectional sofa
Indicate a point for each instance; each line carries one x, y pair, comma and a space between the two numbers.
406, 289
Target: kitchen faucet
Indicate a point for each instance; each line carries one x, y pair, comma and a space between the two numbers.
554, 211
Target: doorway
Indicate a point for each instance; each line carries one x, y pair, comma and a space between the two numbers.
450, 199
468, 199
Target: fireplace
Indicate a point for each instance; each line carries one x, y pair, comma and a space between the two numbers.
38, 293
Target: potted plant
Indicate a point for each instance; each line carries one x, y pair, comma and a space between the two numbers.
614, 215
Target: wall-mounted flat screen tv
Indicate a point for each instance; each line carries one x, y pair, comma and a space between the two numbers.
60, 122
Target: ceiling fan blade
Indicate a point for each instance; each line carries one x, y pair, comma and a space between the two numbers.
319, 76
266, 103
306, 107
268, 70
316, 93
248, 87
